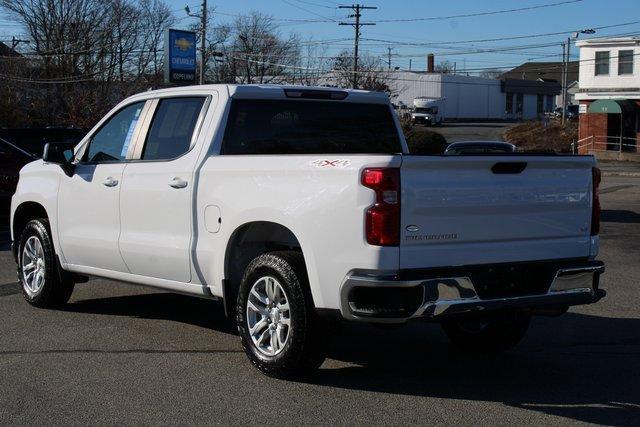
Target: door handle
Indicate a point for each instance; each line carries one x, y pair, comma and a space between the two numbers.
110, 182
178, 183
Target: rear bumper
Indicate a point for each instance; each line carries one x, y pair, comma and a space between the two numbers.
383, 298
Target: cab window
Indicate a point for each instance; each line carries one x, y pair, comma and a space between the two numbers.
172, 128
111, 142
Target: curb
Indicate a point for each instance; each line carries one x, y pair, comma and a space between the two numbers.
627, 174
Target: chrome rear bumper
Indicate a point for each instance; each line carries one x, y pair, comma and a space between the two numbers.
456, 295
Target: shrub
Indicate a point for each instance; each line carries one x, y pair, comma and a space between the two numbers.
541, 136
426, 142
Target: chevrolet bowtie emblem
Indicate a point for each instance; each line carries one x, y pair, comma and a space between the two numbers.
183, 44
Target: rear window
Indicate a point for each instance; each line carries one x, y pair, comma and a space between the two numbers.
309, 127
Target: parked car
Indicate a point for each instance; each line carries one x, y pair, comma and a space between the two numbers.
571, 113
479, 147
298, 206
19, 147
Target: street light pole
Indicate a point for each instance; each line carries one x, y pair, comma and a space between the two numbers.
565, 70
203, 34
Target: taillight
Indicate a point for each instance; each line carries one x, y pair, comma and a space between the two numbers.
382, 220
595, 210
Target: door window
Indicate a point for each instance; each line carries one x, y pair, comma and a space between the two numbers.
172, 128
111, 142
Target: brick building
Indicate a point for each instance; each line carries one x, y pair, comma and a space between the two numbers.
609, 94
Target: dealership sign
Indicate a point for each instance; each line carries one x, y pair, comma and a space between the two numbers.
179, 56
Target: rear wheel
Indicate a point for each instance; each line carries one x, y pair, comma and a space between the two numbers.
496, 333
277, 322
43, 285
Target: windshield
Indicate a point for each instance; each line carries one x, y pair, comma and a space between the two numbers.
427, 110
309, 127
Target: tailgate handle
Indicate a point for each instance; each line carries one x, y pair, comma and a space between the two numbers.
508, 167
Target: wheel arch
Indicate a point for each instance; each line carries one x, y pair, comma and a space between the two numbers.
25, 212
248, 241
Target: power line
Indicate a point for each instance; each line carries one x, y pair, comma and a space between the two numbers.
545, 67
470, 15
499, 38
308, 11
315, 4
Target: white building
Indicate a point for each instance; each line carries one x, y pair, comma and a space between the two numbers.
476, 98
609, 93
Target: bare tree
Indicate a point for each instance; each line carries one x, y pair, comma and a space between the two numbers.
491, 73
85, 55
371, 76
155, 18
257, 53
312, 67
72, 42
124, 33
445, 67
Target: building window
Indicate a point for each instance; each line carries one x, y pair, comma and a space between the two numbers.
509, 103
540, 104
625, 62
602, 63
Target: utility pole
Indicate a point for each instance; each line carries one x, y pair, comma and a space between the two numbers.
389, 57
409, 64
203, 36
203, 40
356, 25
565, 61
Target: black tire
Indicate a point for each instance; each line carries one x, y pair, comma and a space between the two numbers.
304, 350
56, 288
493, 334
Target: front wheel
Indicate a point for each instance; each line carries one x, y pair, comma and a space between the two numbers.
496, 333
276, 319
42, 284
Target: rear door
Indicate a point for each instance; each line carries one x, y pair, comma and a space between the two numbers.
156, 199
463, 210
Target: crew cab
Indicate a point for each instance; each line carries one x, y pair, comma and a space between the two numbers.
301, 206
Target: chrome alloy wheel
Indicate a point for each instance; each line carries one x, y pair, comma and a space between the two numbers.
33, 266
268, 316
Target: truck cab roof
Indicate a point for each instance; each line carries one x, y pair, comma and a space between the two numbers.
269, 91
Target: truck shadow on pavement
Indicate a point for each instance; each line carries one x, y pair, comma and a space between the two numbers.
580, 367
621, 216
160, 306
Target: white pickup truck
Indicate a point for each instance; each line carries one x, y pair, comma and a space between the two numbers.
298, 206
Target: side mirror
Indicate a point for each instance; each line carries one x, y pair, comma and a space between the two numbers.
60, 153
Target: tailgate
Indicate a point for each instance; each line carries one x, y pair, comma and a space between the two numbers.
465, 210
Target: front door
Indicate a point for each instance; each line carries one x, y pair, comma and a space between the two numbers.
156, 200
88, 201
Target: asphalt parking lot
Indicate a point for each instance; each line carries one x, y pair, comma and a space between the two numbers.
124, 354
